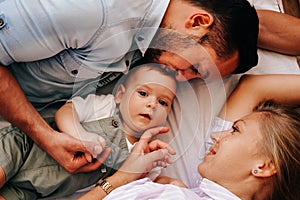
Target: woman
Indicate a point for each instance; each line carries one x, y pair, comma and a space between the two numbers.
258, 158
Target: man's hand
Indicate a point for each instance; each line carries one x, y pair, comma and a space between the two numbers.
15, 108
71, 153
94, 150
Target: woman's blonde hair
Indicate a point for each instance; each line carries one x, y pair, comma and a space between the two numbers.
280, 126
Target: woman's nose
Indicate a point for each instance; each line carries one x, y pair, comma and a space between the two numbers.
217, 136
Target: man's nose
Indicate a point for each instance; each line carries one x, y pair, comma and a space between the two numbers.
180, 75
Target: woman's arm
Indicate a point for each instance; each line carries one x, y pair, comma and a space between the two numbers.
253, 89
279, 32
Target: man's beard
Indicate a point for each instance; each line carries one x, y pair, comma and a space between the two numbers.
168, 39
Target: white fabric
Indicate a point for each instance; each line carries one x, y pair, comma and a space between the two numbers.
94, 107
211, 190
218, 124
145, 189
196, 104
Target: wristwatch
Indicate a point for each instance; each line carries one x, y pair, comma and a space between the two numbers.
105, 186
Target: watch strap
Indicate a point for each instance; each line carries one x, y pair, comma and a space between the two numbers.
105, 186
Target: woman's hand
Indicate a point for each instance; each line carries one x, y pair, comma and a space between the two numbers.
145, 155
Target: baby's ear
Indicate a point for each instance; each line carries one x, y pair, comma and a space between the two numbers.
119, 94
265, 169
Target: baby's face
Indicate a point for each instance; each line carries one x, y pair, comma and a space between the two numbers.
147, 100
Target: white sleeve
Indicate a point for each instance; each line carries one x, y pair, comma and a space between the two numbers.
94, 107
217, 125
144, 189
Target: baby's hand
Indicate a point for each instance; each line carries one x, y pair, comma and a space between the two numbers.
95, 138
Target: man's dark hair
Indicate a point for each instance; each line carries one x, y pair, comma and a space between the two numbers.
235, 28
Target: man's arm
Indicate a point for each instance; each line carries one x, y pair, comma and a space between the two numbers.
253, 89
16, 109
279, 32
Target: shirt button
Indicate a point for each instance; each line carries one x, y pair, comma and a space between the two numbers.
74, 72
103, 170
2, 21
140, 38
115, 123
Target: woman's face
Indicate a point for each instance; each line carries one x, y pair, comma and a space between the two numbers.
235, 153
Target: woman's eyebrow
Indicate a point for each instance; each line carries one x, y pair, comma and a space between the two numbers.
238, 122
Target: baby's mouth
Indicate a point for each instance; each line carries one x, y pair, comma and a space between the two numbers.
147, 116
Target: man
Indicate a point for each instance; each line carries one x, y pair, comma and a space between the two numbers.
57, 49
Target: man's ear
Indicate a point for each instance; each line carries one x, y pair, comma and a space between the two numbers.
199, 20
119, 94
264, 169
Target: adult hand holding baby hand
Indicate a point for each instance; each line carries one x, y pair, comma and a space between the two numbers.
146, 155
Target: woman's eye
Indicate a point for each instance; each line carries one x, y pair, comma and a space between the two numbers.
142, 93
163, 103
234, 130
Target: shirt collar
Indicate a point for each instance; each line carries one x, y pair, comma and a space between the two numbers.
216, 191
151, 23
129, 145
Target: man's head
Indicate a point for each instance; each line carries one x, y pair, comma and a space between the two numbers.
145, 97
194, 30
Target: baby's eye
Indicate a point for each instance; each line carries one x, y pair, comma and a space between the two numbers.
143, 93
163, 103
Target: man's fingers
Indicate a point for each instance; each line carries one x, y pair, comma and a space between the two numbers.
96, 162
104, 155
88, 157
101, 141
94, 148
81, 156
